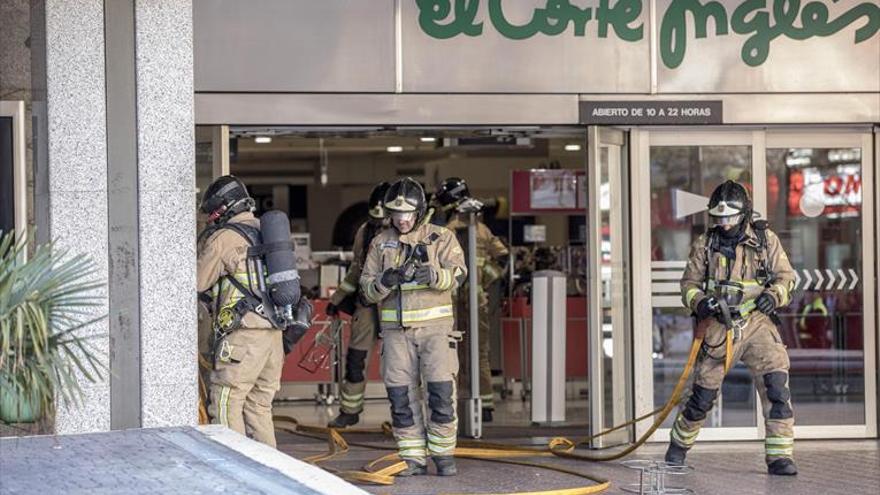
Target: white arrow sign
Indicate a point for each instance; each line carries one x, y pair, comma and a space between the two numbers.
855, 278
809, 280
686, 203
825, 279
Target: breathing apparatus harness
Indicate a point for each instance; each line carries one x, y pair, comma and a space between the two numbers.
729, 294
277, 296
413, 257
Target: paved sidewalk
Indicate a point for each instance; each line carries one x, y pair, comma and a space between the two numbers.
209, 459
826, 467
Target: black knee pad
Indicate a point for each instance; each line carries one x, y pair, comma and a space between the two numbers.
700, 403
440, 402
401, 413
778, 395
354, 365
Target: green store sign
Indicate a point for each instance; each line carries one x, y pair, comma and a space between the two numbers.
762, 23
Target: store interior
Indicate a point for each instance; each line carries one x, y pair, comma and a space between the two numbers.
322, 177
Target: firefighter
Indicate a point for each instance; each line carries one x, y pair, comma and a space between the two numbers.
737, 276
491, 253
410, 272
364, 322
248, 349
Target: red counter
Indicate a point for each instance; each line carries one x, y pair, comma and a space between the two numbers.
576, 365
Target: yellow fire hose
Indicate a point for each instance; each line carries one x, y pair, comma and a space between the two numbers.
495, 452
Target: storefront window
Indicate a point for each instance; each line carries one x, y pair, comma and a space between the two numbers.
682, 179
814, 203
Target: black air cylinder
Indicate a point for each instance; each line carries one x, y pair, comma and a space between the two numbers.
282, 279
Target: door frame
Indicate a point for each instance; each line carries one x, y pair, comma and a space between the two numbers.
641, 141
613, 140
812, 138
16, 111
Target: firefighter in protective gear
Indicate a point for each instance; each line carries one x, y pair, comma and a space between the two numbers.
736, 277
490, 258
410, 273
248, 356
364, 321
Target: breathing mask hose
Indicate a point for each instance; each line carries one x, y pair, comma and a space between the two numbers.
283, 278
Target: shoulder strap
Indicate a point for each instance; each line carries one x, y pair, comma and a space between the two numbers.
760, 227
249, 296
250, 233
709, 246
253, 237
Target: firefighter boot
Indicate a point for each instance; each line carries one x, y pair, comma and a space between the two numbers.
344, 420
413, 468
445, 465
782, 467
675, 455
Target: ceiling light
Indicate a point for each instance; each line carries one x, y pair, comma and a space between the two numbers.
263, 139
427, 139
572, 147
394, 149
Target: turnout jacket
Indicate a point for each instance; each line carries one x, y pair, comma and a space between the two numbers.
225, 253
700, 276
411, 304
489, 248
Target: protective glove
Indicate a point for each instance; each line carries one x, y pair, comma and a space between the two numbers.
426, 275
332, 310
765, 303
391, 278
707, 308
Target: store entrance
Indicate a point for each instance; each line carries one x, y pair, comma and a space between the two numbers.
535, 185
814, 186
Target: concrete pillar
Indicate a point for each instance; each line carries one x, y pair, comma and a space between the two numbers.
167, 209
71, 164
115, 178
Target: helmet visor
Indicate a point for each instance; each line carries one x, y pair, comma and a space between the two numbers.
403, 221
726, 208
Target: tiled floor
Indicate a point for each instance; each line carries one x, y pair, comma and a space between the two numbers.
826, 467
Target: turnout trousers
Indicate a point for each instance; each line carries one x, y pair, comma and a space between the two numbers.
420, 365
246, 376
760, 348
360, 349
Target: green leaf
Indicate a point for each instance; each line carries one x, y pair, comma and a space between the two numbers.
46, 302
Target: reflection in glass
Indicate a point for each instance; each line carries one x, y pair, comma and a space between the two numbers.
814, 200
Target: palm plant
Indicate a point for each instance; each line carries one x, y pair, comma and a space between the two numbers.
44, 301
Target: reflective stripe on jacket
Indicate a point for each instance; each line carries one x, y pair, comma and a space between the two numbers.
743, 270
412, 304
